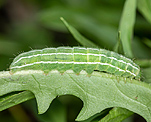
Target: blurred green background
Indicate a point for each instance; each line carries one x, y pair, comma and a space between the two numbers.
36, 24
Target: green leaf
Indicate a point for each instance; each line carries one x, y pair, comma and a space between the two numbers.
144, 7
10, 100
118, 47
81, 39
98, 92
126, 26
117, 115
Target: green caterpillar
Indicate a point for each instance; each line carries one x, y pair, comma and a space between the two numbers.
77, 59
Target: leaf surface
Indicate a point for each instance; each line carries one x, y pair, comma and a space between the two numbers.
12, 99
144, 7
126, 26
98, 92
117, 115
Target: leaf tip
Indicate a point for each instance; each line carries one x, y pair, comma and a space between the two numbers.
62, 19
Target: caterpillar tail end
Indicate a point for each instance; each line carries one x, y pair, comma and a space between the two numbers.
138, 77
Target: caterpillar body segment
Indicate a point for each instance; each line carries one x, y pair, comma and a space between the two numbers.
77, 59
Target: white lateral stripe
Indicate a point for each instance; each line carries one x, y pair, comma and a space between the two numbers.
49, 54
49, 62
